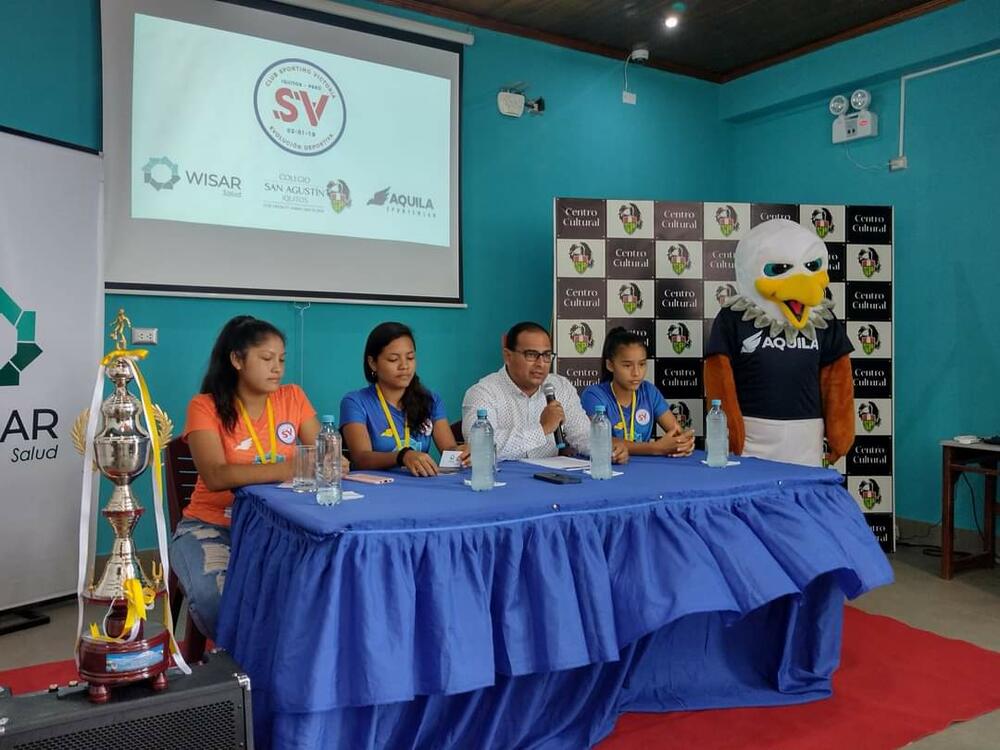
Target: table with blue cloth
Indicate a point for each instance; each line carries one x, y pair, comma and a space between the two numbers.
426, 615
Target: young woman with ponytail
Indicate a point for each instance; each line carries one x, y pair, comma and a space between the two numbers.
242, 429
632, 403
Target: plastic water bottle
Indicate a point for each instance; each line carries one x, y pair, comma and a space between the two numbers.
483, 451
600, 444
328, 452
716, 436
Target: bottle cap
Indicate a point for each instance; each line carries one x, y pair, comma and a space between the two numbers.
599, 409
481, 413
716, 402
328, 419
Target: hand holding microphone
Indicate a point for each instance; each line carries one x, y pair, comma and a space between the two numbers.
553, 416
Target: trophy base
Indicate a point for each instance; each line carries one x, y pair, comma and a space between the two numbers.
108, 664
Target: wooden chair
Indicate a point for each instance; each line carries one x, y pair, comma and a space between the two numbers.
181, 477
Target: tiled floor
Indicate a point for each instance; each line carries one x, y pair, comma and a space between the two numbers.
967, 608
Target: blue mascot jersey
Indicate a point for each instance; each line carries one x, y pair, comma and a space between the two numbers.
775, 379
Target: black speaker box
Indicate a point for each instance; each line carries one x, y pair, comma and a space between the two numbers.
207, 710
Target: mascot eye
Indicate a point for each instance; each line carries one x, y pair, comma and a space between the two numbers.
815, 265
776, 269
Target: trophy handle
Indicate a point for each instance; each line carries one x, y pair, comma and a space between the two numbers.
164, 429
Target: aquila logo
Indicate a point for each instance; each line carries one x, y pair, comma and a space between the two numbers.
631, 217
582, 337
682, 414
679, 257
160, 173
869, 416
752, 343
822, 220
379, 198
402, 203
869, 261
680, 337
631, 297
339, 195
727, 219
582, 256
868, 337
870, 492
725, 293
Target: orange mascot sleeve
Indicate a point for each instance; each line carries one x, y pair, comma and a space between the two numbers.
836, 383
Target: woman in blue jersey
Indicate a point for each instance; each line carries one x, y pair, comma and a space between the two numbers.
632, 403
394, 420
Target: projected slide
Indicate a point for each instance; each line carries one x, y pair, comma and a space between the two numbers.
235, 130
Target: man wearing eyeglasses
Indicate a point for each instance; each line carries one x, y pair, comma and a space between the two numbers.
523, 422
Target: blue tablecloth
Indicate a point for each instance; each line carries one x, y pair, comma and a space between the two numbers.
428, 615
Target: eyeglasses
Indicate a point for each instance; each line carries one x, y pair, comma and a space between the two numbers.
531, 355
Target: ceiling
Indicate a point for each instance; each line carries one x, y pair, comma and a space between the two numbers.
717, 40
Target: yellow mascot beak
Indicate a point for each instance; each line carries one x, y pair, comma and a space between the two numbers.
795, 295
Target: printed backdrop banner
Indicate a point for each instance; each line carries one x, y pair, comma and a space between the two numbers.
50, 322
663, 269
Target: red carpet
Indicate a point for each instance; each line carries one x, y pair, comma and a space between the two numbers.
39, 677
895, 685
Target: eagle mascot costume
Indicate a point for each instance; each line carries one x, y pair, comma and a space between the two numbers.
778, 357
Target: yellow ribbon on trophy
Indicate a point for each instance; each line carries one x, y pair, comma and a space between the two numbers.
127, 353
154, 436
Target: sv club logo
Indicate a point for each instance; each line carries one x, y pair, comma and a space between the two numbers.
300, 107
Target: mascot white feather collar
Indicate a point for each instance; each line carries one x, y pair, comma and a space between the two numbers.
782, 275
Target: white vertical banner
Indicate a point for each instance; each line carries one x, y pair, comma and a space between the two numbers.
51, 318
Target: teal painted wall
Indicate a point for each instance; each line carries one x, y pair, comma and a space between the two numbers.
586, 143
762, 137
947, 260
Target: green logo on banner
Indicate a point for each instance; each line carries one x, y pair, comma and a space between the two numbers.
680, 337
868, 413
630, 216
871, 493
160, 173
631, 297
27, 350
822, 220
727, 219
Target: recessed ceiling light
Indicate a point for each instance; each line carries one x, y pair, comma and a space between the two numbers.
671, 21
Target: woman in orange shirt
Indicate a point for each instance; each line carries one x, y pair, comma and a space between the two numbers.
242, 429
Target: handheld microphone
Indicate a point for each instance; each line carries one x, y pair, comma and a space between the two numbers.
550, 395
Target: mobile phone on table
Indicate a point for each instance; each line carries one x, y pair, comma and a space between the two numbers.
557, 478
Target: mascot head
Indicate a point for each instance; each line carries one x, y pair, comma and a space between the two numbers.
781, 272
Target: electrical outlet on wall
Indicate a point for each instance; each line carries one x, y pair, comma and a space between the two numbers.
144, 336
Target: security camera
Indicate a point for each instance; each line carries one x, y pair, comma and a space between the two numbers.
639, 54
510, 103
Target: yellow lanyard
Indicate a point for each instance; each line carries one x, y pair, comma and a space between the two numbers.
392, 425
630, 435
271, 457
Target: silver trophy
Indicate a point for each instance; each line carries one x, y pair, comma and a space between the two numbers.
108, 655
122, 452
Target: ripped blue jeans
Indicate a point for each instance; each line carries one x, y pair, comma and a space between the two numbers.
199, 555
